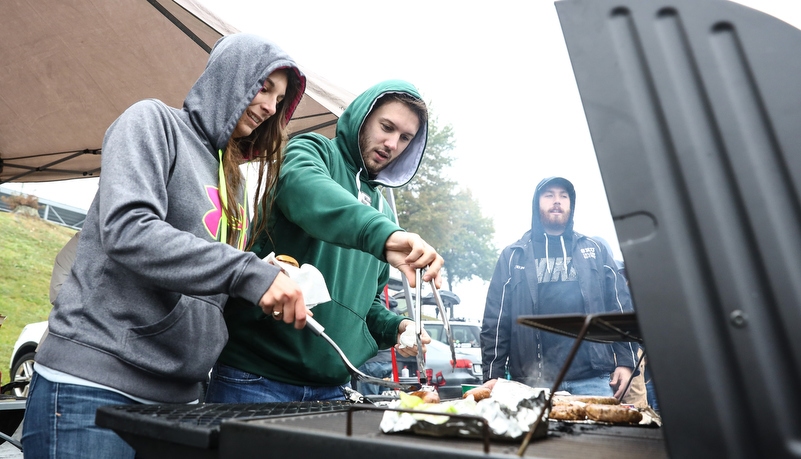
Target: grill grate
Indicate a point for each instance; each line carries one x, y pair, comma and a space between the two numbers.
199, 425
214, 414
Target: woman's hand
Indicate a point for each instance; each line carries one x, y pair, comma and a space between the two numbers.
284, 301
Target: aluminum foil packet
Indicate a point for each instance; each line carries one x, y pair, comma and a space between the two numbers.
510, 412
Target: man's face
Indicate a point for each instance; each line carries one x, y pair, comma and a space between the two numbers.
554, 209
386, 133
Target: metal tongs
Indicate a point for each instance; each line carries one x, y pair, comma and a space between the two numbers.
318, 330
445, 322
416, 313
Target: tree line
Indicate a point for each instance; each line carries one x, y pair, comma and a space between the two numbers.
446, 215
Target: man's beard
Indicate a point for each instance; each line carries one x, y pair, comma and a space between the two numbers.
372, 168
554, 225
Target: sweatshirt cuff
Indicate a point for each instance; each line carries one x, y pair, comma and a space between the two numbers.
256, 279
377, 237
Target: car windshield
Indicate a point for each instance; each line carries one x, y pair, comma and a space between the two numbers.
465, 335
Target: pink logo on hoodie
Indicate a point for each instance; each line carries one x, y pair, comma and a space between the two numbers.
213, 217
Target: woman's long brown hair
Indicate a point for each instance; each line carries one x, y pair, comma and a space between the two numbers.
264, 145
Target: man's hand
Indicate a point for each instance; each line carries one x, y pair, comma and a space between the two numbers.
284, 301
408, 251
620, 377
410, 351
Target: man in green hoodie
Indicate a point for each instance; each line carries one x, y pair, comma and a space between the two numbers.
328, 212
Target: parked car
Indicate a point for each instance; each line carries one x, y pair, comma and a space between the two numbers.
466, 335
23, 354
441, 374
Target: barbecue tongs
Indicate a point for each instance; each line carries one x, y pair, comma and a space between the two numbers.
318, 330
417, 314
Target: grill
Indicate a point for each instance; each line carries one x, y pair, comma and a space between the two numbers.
317, 437
319, 430
193, 430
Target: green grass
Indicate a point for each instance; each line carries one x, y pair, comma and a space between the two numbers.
28, 247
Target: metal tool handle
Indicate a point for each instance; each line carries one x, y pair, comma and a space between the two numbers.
418, 310
418, 323
314, 326
445, 321
319, 330
416, 314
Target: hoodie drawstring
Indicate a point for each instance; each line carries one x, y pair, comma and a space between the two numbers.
359, 191
548, 259
223, 192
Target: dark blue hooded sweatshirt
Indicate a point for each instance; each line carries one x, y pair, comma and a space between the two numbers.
587, 282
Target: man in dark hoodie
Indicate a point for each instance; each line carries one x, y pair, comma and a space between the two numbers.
554, 270
330, 213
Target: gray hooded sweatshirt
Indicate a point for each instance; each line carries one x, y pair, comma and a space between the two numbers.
142, 309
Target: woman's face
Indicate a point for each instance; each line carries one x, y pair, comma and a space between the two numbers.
263, 105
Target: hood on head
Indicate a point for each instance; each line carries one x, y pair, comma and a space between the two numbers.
400, 171
238, 66
537, 230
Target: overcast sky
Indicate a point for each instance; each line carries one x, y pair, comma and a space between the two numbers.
499, 75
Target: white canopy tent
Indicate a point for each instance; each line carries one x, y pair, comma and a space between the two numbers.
70, 68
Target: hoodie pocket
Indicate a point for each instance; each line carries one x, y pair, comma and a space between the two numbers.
184, 344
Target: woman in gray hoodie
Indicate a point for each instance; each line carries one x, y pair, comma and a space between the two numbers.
139, 319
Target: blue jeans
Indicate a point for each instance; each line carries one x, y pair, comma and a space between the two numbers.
60, 422
598, 385
379, 370
231, 385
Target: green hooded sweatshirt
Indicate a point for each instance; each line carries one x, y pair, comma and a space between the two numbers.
318, 219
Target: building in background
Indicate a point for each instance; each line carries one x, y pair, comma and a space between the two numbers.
60, 214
